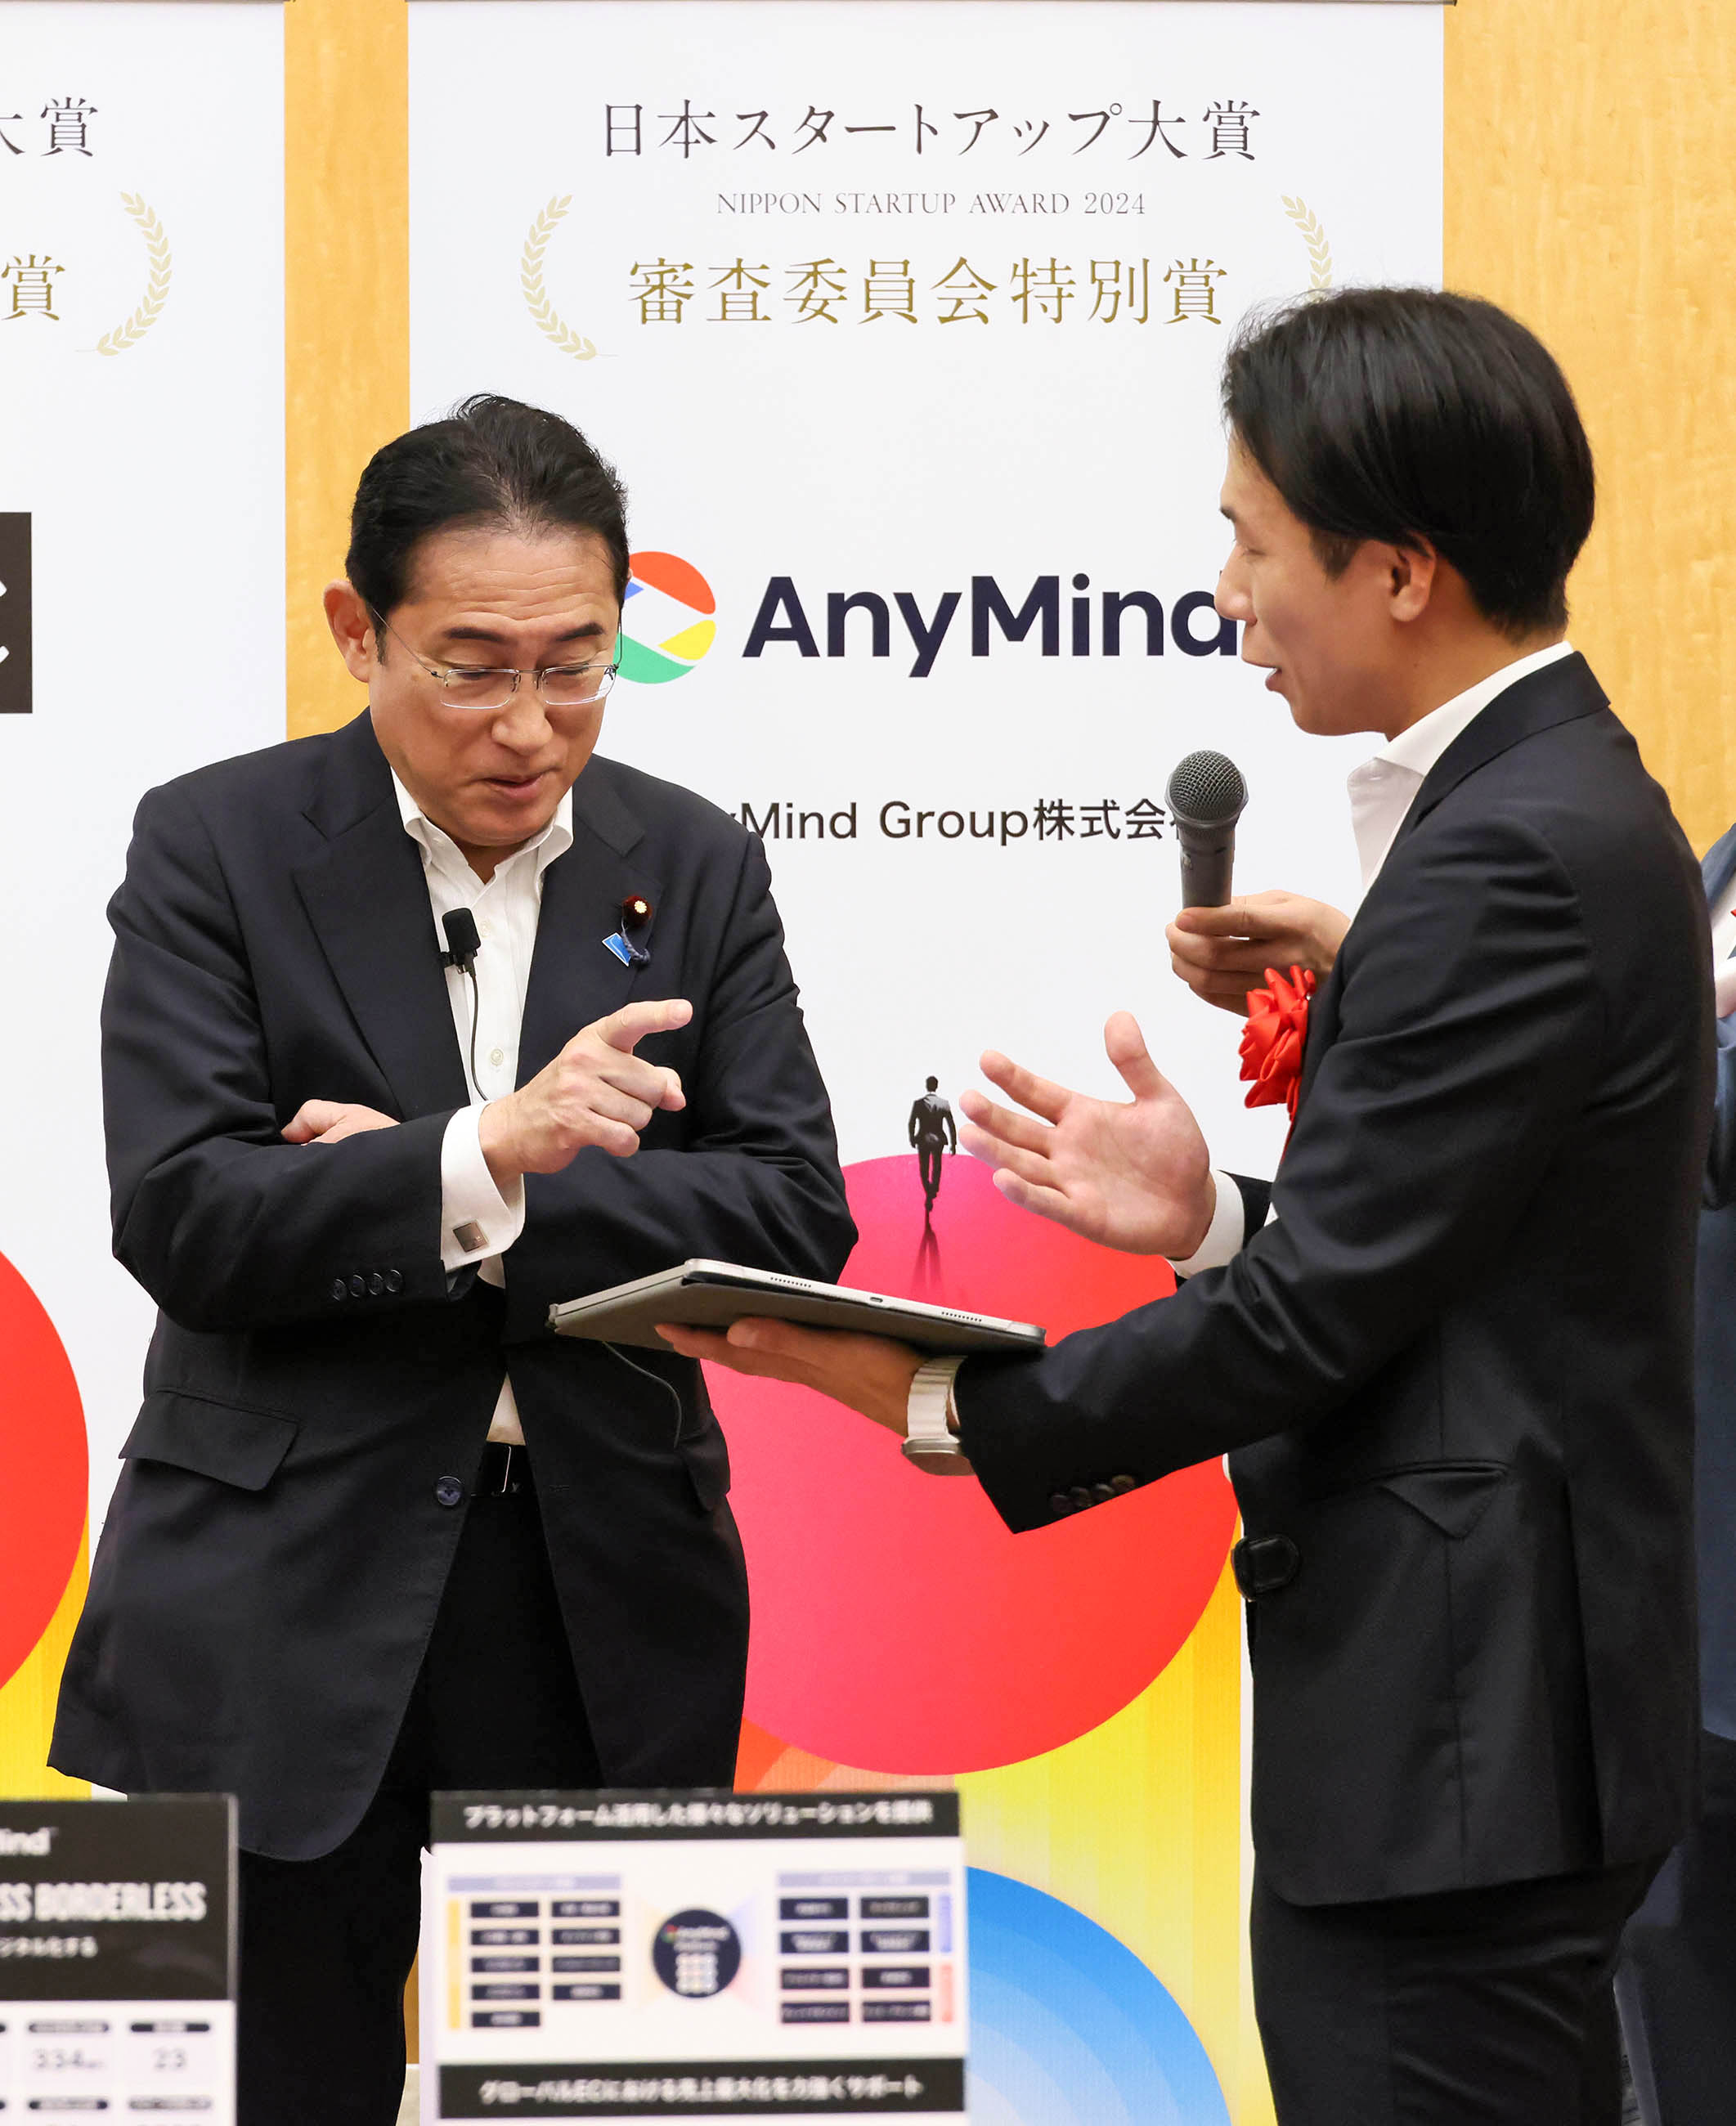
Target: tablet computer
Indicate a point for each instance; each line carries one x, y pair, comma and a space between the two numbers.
711, 1295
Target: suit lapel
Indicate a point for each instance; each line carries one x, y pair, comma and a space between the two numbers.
574, 978
367, 899
1558, 694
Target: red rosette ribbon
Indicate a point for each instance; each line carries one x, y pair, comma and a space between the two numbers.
1272, 1040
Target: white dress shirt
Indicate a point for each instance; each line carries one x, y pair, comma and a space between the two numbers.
477, 1223
1382, 792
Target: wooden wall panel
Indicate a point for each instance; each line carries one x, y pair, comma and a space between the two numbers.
1589, 189
346, 97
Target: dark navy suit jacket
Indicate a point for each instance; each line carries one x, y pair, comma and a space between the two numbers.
1714, 1362
1455, 1372
277, 1544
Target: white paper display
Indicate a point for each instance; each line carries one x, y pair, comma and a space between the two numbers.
903, 323
683, 1957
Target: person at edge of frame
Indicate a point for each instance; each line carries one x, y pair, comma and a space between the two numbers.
379, 1532
1675, 1982
1449, 1349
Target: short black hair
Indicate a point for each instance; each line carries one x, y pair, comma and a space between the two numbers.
490, 462
1404, 414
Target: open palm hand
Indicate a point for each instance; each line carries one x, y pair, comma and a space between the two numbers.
1131, 1174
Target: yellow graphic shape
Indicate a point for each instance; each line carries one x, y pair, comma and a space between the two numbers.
692, 643
27, 1700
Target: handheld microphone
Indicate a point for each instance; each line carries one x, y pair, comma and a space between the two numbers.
1206, 797
462, 941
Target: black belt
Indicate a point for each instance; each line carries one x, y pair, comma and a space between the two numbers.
505, 1468
1263, 1564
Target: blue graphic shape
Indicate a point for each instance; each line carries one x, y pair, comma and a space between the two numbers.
1068, 2028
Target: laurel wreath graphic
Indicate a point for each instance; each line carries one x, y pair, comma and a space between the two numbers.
1320, 252
156, 294
548, 318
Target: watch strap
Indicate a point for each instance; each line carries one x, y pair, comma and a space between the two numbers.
927, 1429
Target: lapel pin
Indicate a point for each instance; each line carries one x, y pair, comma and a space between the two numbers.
635, 914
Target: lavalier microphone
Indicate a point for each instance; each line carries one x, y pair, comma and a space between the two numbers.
463, 943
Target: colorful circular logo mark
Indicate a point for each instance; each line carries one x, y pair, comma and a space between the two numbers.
666, 625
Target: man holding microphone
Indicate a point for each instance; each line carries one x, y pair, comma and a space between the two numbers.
1448, 1351
411, 1030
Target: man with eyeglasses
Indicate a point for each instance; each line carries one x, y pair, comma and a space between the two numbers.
378, 1532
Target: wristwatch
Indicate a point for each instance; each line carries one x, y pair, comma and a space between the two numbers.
926, 1430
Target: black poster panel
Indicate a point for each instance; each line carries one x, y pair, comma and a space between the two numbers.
15, 613
118, 1901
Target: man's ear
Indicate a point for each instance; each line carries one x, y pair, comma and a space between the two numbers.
1411, 580
353, 629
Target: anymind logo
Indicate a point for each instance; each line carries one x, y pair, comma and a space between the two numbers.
667, 624
988, 616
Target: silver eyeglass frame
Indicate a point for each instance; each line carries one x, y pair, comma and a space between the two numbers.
442, 674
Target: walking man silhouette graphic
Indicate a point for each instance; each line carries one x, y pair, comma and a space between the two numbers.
931, 1127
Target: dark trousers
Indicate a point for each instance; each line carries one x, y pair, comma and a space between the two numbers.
928, 1156
327, 1945
1676, 1983
1487, 2006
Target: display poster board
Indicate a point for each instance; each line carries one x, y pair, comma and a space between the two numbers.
685, 1955
904, 321
141, 636
117, 1958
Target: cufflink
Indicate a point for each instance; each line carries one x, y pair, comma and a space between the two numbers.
470, 1236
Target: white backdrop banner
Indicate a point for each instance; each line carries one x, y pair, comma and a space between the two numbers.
903, 323
141, 348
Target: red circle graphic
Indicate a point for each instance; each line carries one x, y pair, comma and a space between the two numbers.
45, 1471
898, 1626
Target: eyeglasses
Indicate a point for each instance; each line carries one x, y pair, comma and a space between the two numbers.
492, 686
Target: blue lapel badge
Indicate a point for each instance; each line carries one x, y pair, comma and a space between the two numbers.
635, 916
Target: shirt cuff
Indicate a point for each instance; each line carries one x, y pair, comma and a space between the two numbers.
1725, 989
476, 1221
1223, 1236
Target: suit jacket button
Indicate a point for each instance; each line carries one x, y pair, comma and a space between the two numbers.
449, 1491
1101, 1494
1081, 1498
1121, 1485
1059, 1503
358, 1286
394, 1280
376, 1284
340, 1290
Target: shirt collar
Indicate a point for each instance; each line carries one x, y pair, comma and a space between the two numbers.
1384, 787
1422, 744
438, 846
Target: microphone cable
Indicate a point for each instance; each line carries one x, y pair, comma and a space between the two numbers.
668, 1388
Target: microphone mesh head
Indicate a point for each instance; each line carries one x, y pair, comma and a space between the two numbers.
1206, 790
